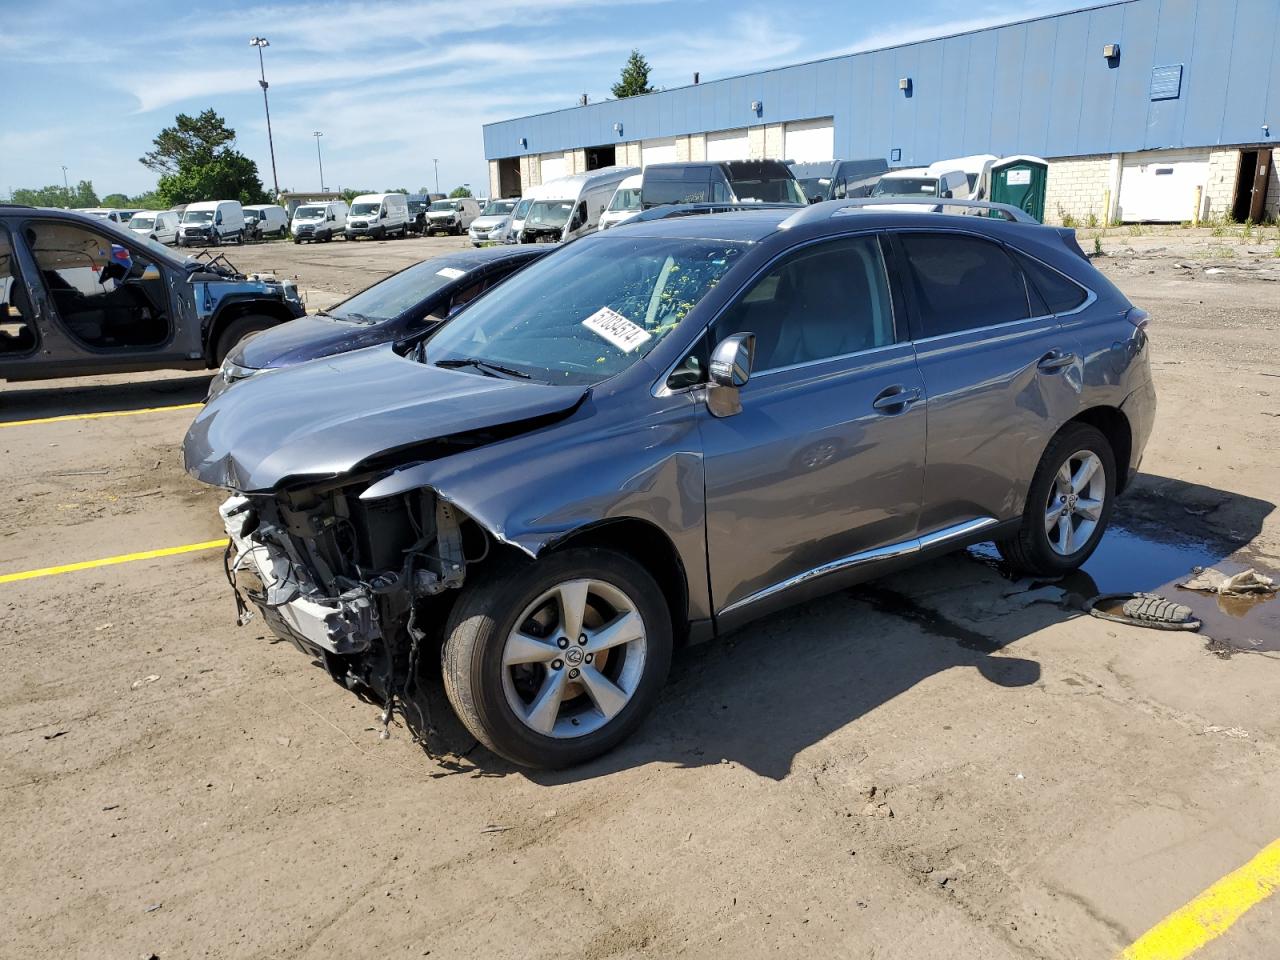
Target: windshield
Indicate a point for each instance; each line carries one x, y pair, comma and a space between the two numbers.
364, 209
142, 223
549, 213
197, 216
628, 199
308, 213
417, 206
905, 187
442, 205
498, 208
587, 313
768, 191
397, 294
522, 209
816, 188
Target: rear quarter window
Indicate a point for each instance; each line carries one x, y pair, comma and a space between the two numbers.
961, 283
1060, 293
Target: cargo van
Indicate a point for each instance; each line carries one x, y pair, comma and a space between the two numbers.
730, 181
919, 182
378, 215
319, 220
976, 169
571, 206
520, 212
838, 179
262, 220
158, 225
211, 222
625, 203
452, 215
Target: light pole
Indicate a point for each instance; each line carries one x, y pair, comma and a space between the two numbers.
318, 135
65, 186
467, 187
436, 163
261, 42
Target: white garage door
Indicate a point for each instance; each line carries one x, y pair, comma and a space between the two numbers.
1159, 189
728, 145
554, 166
658, 151
806, 141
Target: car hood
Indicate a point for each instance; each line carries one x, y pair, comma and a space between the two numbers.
489, 222
323, 419
308, 338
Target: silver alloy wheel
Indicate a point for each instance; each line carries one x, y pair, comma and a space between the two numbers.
1075, 503
574, 658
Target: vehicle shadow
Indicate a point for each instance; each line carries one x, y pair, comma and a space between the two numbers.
71, 398
768, 691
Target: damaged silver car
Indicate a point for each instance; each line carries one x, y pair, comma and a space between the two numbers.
657, 434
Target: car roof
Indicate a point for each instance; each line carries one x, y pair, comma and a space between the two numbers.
120, 232
483, 256
742, 226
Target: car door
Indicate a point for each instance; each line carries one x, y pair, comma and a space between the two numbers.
824, 465
1001, 377
19, 332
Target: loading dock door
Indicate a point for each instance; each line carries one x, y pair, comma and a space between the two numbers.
658, 151
808, 141
728, 145
1161, 191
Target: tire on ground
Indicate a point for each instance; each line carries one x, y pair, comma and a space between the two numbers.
476, 633
237, 330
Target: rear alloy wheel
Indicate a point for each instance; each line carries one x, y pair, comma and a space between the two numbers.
555, 662
1068, 505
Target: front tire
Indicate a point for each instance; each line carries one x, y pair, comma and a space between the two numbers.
236, 331
1068, 506
554, 662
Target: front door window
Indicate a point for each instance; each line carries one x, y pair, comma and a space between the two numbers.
98, 287
17, 332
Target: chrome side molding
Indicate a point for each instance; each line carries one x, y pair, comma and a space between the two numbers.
907, 547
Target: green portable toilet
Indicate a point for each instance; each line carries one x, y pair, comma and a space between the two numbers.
1020, 182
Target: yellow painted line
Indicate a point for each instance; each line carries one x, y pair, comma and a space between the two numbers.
1212, 913
110, 561
100, 416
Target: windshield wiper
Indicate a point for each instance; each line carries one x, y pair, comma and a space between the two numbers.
482, 365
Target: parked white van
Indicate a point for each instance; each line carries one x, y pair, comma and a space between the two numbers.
262, 220
977, 170
625, 203
494, 222
919, 182
158, 225
211, 222
520, 212
321, 220
378, 215
453, 215
571, 206
113, 214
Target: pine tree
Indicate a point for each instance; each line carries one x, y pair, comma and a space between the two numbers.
635, 77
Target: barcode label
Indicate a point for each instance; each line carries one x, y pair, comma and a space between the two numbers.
617, 329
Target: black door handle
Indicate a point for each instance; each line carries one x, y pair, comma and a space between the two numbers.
1056, 360
895, 399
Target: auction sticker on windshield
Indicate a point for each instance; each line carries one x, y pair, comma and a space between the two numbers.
453, 273
617, 329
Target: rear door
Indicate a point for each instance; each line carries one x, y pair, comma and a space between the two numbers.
1000, 374
19, 331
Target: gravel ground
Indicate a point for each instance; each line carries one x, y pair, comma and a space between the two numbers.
892, 771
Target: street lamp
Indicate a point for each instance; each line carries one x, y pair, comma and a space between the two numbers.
65, 186
261, 42
436, 164
318, 135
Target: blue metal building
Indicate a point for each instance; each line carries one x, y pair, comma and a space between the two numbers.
1133, 83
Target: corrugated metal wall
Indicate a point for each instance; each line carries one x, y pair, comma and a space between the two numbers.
1041, 87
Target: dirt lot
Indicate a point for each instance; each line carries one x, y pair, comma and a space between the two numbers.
934, 765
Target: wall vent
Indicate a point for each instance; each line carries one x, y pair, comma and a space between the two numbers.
1166, 82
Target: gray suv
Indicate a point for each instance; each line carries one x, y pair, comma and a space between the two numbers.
656, 434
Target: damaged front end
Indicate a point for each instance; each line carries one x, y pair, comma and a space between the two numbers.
348, 581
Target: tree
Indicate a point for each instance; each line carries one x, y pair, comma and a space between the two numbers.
349, 194
81, 195
197, 160
115, 200
426, 191
404, 190
635, 77
459, 192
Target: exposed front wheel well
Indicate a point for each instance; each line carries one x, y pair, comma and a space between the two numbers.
1115, 427
650, 547
233, 312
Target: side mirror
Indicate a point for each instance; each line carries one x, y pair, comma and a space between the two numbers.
150, 272
948, 195
218, 219
729, 370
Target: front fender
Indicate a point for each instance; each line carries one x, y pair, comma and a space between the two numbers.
534, 490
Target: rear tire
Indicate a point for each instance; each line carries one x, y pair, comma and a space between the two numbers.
237, 330
496, 698
1068, 507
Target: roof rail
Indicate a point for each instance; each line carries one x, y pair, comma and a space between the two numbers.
818, 212
667, 210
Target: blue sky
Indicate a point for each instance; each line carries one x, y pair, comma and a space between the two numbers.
391, 83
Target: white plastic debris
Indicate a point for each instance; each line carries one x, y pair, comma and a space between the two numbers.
1246, 583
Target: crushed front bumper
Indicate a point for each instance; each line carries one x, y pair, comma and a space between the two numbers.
264, 573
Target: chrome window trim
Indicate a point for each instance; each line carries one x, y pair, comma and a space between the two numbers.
813, 363
902, 549
901, 335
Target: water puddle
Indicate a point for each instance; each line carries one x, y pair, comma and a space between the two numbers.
1131, 562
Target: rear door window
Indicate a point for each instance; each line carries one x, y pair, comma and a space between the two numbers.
1059, 293
961, 283
17, 329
